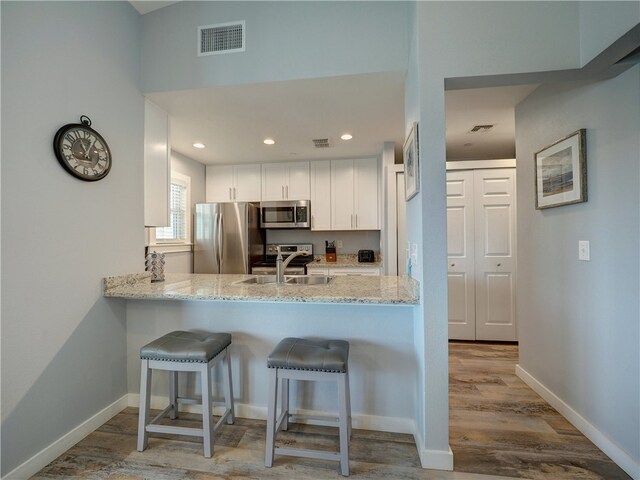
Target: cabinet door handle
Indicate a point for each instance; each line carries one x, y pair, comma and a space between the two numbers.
352, 220
230, 195
312, 221
356, 215
282, 192
287, 190
235, 196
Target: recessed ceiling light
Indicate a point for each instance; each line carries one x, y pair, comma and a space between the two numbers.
269, 141
198, 145
346, 136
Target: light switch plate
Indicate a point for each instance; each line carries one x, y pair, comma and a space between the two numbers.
584, 252
339, 243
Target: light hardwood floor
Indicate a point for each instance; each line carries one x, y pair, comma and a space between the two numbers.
499, 427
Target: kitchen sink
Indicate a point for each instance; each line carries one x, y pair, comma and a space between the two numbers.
258, 280
308, 280
288, 280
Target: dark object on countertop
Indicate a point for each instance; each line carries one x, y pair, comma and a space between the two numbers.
366, 256
330, 251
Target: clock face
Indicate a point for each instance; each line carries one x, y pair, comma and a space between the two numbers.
82, 152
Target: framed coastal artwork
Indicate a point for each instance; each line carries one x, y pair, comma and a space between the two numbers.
561, 172
411, 164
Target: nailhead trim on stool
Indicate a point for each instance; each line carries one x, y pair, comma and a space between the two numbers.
181, 351
315, 360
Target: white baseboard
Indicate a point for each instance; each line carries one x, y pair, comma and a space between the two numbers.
613, 451
64, 443
432, 459
244, 410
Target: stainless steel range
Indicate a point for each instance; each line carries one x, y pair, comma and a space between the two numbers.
297, 266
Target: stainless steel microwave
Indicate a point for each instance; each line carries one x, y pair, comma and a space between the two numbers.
285, 214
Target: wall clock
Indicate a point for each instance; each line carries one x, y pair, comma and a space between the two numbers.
82, 151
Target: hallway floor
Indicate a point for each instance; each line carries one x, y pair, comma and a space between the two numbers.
499, 428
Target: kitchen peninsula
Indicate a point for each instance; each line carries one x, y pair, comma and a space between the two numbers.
375, 314
381, 290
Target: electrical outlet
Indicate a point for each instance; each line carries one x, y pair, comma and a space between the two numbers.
339, 243
584, 252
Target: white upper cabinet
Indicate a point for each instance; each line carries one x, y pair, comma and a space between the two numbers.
157, 152
366, 204
341, 195
285, 181
321, 195
219, 183
247, 183
355, 194
233, 183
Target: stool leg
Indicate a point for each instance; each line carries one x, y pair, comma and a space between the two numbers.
343, 388
207, 433
145, 399
173, 394
272, 401
285, 402
228, 387
348, 402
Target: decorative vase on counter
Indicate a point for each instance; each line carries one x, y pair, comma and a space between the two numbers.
154, 263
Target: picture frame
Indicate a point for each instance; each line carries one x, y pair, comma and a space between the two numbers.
411, 154
561, 172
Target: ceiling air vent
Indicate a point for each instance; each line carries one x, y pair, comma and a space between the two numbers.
221, 38
482, 128
321, 142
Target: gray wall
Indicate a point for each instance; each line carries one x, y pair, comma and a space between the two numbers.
602, 23
63, 345
490, 38
285, 41
193, 169
578, 321
351, 241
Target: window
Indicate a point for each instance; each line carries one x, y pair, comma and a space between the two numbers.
178, 230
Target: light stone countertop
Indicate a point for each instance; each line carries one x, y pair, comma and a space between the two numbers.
374, 290
343, 261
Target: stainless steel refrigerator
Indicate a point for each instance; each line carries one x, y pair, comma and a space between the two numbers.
227, 237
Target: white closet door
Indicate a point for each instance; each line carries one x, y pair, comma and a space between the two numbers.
495, 231
461, 255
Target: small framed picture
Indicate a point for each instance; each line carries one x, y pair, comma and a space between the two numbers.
561, 172
411, 164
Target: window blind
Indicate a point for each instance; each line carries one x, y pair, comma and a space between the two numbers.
177, 229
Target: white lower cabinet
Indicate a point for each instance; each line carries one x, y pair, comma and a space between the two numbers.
317, 271
371, 271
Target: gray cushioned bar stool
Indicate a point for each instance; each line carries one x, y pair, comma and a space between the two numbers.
316, 360
185, 352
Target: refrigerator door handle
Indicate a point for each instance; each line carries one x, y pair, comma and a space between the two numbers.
220, 243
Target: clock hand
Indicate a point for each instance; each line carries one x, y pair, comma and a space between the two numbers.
88, 152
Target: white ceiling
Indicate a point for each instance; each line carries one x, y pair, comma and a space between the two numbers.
146, 6
481, 106
233, 121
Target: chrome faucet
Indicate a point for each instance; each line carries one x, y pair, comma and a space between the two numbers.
281, 264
